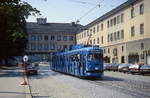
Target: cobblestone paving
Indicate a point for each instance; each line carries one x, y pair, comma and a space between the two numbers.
50, 84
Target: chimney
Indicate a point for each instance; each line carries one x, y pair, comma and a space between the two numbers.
41, 20
73, 24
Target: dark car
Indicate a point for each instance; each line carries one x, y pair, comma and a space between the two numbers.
123, 68
145, 69
32, 70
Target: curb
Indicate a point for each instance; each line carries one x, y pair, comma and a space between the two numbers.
27, 88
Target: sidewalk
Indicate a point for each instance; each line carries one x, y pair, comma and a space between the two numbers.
10, 85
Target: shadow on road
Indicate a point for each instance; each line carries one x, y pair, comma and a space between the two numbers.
9, 92
10, 73
108, 78
40, 96
44, 72
104, 78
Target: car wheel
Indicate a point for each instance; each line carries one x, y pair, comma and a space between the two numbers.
142, 74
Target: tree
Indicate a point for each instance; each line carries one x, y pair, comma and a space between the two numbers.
13, 35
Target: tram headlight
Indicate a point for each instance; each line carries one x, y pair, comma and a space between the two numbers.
96, 68
87, 69
88, 73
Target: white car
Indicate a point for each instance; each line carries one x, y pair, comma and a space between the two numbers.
135, 68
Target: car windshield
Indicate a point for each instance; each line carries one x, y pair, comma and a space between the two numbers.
146, 66
125, 65
95, 56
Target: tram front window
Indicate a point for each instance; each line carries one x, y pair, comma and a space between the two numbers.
95, 57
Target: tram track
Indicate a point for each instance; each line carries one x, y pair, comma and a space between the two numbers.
132, 87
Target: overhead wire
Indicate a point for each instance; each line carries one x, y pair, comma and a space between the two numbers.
83, 2
97, 5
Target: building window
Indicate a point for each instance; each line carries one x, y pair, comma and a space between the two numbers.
46, 46
40, 46
118, 19
141, 28
142, 46
71, 38
132, 13
52, 46
102, 39
65, 47
97, 28
122, 18
111, 37
39, 37
58, 47
108, 50
108, 38
118, 35
122, 34
108, 24
111, 22
115, 21
58, 38
132, 31
142, 9
104, 51
94, 30
65, 38
52, 37
46, 37
115, 36
33, 46
98, 40
122, 48
93, 41
102, 27
90, 31
33, 37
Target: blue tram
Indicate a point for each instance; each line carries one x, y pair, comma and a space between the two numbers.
81, 61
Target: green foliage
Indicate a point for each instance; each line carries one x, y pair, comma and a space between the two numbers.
13, 35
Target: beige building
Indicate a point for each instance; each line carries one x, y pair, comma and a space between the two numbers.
123, 33
45, 38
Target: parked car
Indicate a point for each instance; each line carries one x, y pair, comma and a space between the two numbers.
145, 69
32, 70
35, 64
134, 68
106, 67
114, 67
123, 68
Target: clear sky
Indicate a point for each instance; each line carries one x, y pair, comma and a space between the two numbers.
66, 11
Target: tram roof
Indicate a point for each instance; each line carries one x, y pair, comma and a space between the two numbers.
82, 49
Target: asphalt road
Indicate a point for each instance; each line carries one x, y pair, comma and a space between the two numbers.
50, 84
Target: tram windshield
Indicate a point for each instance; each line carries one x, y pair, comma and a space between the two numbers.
93, 57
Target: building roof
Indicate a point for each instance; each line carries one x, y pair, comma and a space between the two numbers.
34, 27
121, 7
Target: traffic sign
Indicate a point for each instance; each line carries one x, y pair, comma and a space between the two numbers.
25, 58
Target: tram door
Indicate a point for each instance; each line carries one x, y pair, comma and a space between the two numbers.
76, 64
82, 65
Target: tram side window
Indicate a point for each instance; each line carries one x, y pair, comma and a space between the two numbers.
95, 57
75, 57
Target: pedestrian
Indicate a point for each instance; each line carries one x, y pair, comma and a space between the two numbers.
24, 67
